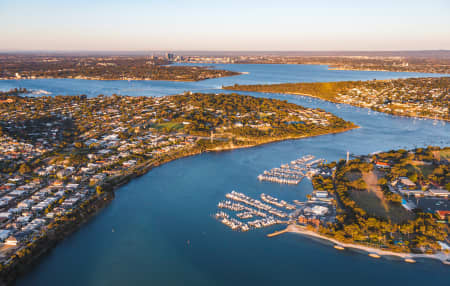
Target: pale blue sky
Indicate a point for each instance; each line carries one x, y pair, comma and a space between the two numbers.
224, 25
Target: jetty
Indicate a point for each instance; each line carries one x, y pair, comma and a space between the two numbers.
292, 173
240, 197
277, 232
276, 202
252, 213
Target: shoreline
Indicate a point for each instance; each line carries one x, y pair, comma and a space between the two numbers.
44, 244
332, 66
337, 102
372, 252
103, 79
229, 148
130, 79
339, 68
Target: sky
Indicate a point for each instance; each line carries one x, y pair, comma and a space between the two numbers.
226, 25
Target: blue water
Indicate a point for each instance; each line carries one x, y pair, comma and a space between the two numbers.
256, 74
155, 216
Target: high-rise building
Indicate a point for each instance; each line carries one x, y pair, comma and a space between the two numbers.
170, 56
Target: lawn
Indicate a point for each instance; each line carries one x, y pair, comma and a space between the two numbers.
445, 153
427, 170
374, 206
169, 126
353, 175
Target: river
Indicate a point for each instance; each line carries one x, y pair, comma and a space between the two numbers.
159, 229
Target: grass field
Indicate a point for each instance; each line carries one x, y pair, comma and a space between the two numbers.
374, 206
353, 176
170, 126
445, 154
373, 202
426, 169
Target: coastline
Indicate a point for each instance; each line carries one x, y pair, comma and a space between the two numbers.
373, 252
228, 148
332, 67
338, 102
46, 242
127, 79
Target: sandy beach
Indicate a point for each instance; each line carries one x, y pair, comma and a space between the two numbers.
294, 228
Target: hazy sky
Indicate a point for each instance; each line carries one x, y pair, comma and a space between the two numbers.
224, 25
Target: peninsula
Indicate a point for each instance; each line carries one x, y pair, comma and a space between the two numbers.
391, 203
416, 97
61, 157
17, 66
393, 61
388, 203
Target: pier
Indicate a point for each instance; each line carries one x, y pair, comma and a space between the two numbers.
252, 213
277, 232
276, 202
292, 173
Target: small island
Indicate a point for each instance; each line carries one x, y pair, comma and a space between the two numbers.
103, 68
415, 97
62, 157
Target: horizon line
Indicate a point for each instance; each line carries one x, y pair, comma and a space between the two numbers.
213, 50
386, 53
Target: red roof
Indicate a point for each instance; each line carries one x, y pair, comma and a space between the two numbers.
442, 214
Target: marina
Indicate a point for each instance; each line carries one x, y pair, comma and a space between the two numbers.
263, 215
276, 202
253, 213
294, 172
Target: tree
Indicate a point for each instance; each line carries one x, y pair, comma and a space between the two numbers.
413, 178
99, 190
79, 145
382, 181
24, 168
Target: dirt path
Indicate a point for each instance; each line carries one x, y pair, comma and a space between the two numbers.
371, 180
